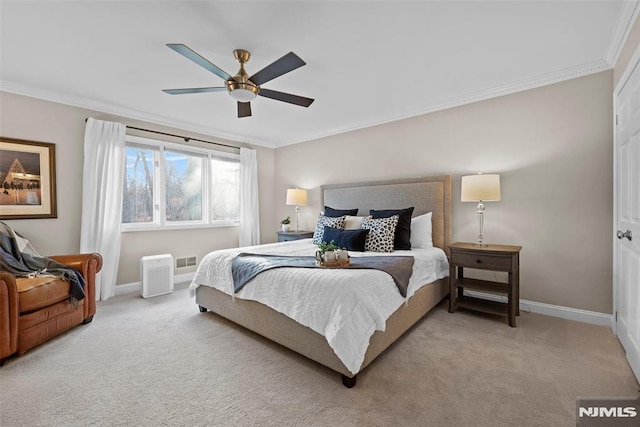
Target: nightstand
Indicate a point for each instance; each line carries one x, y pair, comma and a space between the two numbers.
494, 258
285, 236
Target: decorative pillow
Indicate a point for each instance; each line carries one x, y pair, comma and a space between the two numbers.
352, 240
421, 231
381, 232
402, 238
337, 222
329, 211
354, 222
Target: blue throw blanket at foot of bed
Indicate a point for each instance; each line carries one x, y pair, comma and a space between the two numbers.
246, 266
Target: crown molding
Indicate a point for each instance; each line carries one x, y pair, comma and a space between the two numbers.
519, 86
118, 110
628, 17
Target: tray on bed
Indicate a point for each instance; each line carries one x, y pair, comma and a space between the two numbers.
334, 264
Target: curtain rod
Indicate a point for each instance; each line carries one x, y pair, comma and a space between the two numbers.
186, 138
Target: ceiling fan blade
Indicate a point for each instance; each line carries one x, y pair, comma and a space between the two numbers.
244, 109
286, 97
287, 63
190, 54
194, 90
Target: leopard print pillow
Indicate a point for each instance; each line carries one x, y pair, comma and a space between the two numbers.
334, 222
381, 233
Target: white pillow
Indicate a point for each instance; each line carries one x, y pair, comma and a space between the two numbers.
421, 236
354, 222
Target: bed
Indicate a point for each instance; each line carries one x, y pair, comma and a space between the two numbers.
428, 194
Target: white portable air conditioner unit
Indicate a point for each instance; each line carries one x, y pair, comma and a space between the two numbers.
156, 275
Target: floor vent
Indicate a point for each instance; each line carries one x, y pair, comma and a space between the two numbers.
156, 275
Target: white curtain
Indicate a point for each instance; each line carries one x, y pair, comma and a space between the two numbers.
249, 208
103, 177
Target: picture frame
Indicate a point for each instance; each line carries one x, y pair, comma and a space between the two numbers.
27, 179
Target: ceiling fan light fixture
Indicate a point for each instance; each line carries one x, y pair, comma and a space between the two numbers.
242, 92
241, 87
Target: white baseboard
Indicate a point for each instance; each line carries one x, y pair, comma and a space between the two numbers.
185, 277
126, 288
585, 316
568, 313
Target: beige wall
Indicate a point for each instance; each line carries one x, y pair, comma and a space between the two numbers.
27, 118
33, 119
553, 149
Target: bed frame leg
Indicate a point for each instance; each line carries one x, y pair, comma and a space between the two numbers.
202, 309
349, 382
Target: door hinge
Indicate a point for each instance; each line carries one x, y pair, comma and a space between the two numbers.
616, 316
616, 119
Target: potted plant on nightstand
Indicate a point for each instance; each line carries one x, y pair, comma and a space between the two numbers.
285, 224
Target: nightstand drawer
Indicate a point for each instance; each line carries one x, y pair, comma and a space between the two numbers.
287, 236
481, 261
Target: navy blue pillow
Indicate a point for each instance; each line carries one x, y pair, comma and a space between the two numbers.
329, 211
402, 238
352, 240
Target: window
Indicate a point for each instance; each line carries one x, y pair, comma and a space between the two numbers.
138, 197
225, 188
183, 184
169, 185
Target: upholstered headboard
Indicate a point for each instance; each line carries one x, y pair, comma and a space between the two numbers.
428, 194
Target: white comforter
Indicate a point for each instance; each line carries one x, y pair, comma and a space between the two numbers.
344, 305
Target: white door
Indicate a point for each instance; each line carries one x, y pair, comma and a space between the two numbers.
627, 213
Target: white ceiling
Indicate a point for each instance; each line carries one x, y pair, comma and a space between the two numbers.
368, 62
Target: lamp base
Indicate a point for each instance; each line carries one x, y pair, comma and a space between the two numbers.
480, 210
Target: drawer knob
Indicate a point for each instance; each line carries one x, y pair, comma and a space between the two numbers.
479, 261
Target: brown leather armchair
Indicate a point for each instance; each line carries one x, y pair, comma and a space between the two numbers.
34, 310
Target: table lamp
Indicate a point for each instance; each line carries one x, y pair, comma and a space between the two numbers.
297, 197
480, 188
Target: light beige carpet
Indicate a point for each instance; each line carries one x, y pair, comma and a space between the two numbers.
159, 362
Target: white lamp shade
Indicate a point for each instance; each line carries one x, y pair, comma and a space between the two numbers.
481, 187
297, 197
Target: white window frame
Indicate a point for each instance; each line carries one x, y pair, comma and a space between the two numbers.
159, 184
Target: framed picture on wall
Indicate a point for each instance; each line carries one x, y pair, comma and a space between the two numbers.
27, 179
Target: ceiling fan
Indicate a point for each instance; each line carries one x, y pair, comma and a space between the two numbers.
241, 87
